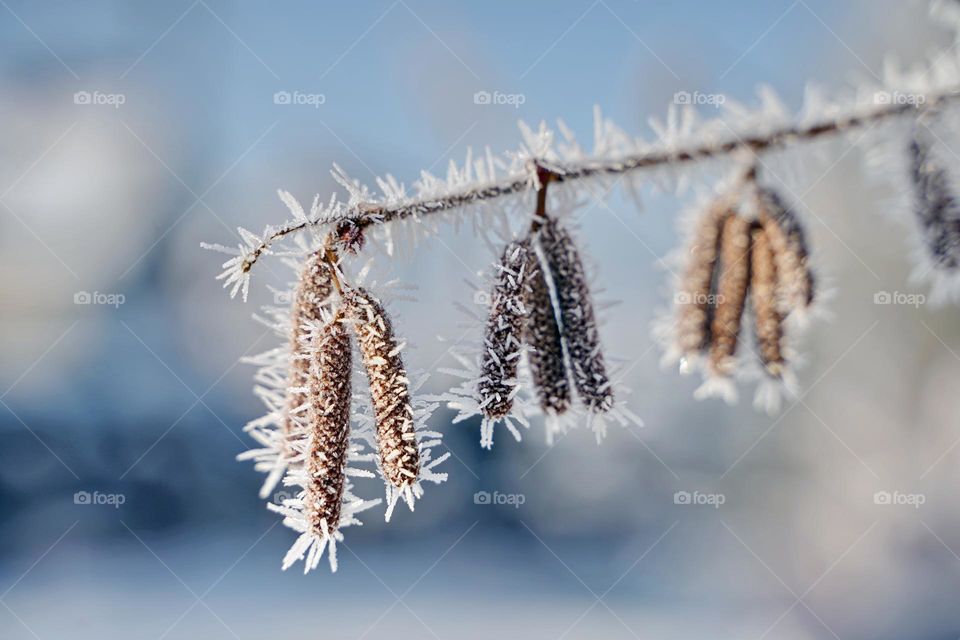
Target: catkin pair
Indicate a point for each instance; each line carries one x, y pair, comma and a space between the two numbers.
326, 389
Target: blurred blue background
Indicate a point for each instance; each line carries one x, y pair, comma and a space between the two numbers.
146, 399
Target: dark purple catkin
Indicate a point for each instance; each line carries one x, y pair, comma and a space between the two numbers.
502, 338
577, 317
541, 332
312, 293
936, 206
329, 427
788, 242
389, 388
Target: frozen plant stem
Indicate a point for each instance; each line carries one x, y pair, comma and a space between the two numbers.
365, 214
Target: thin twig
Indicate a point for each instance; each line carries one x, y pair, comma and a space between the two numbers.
367, 214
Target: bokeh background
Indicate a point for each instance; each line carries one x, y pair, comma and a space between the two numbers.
146, 399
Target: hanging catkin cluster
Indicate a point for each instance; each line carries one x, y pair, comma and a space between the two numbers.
541, 298
307, 435
747, 250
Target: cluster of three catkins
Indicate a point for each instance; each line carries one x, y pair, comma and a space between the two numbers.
541, 299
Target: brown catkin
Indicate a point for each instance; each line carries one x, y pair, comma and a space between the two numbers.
731, 293
329, 428
541, 332
389, 388
502, 338
763, 299
695, 299
313, 291
578, 320
795, 284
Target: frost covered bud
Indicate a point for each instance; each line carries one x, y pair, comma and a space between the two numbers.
763, 298
541, 332
695, 299
578, 320
795, 288
502, 338
937, 208
389, 388
312, 294
350, 236
329, 427
731, 293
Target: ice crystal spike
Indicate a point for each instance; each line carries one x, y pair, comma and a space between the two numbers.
788, 242
936, 207
502, 338
389, 388
541, 332
768, 322
329, 414
312, 294
578, 319
731, 294
696, 297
